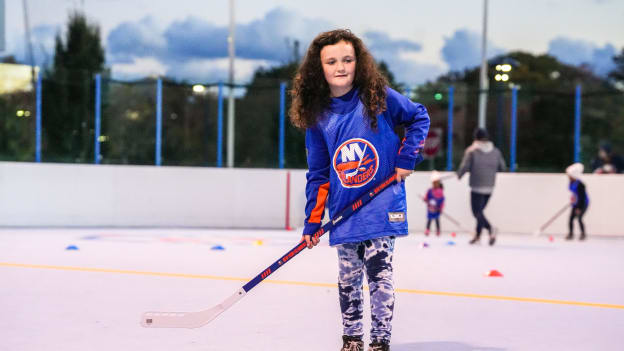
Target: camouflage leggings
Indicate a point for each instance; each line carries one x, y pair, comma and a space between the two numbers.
375, 258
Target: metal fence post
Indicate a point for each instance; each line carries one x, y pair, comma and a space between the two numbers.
449, 137
577, 124
281, 123
514, 122
98, 117
158, 121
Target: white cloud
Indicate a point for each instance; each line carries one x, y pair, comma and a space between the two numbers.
577, 52
138, 68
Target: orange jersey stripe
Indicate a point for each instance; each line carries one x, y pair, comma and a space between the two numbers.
317, 212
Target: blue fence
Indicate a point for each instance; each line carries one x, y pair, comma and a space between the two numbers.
264, 118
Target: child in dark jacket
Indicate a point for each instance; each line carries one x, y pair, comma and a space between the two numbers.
579, 201
435, 202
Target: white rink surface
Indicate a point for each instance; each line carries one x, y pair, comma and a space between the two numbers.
92, 298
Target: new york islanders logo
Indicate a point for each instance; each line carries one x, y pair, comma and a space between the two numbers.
356, 162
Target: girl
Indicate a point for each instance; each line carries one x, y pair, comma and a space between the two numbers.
349, 115
579, 201
435, 202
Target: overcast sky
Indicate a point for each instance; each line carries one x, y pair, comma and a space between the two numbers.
418, 39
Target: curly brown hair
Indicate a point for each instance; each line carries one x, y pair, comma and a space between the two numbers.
311, 94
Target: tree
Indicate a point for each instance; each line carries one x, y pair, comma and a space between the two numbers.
257, 122
385, 70
546, 95
68, 92
618, 73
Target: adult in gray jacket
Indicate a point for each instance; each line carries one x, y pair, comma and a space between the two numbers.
482, 159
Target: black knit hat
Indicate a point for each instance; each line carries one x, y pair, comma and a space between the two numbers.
481, 134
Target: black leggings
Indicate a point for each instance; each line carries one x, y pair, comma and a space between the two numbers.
437, 222
580, 219
478, 203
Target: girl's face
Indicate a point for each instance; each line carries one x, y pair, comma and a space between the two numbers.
338, 62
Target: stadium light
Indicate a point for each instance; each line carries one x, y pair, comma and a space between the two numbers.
198, 88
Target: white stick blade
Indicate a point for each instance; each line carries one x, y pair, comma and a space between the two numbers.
189, 319
180, 319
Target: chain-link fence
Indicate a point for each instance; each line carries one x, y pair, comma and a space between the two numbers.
542, 138
154, 121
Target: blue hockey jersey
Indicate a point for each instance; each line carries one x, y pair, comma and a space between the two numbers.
579, 194
347, 158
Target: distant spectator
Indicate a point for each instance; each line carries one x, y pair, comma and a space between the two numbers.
607, 161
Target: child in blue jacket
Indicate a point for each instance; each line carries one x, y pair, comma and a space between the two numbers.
579, 200
349, 114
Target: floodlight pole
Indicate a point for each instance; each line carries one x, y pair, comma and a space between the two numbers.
483, 79
29, 43
230, 126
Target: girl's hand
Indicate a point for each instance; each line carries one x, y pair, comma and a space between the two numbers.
311, 241
402, 174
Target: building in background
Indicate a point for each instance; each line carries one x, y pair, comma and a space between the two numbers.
15, 78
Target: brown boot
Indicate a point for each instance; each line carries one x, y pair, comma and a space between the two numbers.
352, 343
378, 346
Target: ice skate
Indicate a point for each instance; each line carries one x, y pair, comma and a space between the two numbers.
493, 234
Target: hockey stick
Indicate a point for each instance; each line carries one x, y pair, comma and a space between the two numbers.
456, 222
537, 232
201, 318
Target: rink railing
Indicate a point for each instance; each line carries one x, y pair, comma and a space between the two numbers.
83, 195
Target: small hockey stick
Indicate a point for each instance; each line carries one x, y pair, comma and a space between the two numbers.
456, 222
552, 219
201, 318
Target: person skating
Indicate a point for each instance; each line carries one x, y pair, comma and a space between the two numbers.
579, 200
435, 202
349, 115
482, 159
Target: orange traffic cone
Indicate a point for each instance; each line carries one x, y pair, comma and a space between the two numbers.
493, 273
